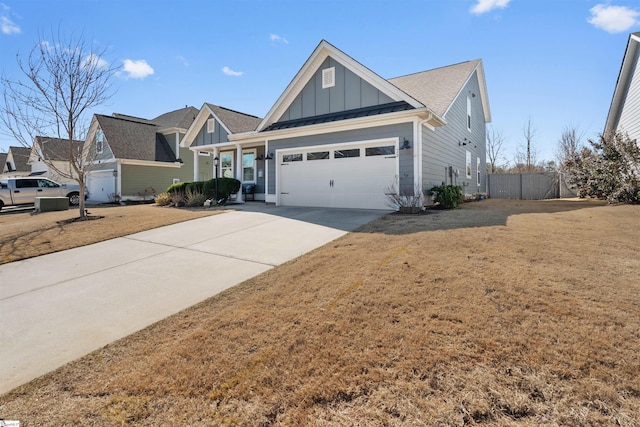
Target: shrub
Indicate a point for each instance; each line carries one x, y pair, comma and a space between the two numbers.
447, 196
163, 199
193, 197
226, 187
177, 198
177, 188
405, 201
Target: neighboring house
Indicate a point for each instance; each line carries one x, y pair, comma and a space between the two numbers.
135, 158
342, 136
16, 162
50, 157
624, 113
209, 136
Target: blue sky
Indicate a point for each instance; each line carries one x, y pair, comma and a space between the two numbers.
553, 61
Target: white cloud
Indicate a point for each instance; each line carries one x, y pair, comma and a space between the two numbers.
138, 69
277, 38
229, 72
613, 19
484, 6
7, 25
94, 59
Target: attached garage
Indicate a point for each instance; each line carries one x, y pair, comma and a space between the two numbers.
350, 175
101, 185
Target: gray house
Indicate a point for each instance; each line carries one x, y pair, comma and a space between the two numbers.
209, 136
342, 136
624, 113
50, 158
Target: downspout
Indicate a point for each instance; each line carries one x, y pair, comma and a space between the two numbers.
418, 153
119, 179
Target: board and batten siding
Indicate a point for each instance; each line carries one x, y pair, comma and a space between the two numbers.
350, 92
401, 131
216, 137
442, 148
629, 122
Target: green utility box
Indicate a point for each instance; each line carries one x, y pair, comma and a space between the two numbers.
48, 204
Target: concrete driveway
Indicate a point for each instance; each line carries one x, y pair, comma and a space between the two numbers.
59, 307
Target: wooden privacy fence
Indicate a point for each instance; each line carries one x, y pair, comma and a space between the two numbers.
529, 186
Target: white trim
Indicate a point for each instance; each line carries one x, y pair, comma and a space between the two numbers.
255, 165
322, 51
276, 156
149, 163
343, 125
198, 123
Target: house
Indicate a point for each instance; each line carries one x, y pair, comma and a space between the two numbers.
50, 157
624, 113
135, 158
209, 136
342, 136
16, 162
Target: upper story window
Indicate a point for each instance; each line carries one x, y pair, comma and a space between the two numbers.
468, 113
328, 77
211, 125
99, 141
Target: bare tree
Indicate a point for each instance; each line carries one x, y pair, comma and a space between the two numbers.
528, 158
495, 142
569, 146
63, 79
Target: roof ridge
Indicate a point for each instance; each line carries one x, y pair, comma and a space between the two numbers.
437, 68
233, 111
146, 122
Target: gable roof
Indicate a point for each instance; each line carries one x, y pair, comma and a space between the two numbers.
135, 140
321, 52
231, 121
20, 156
432, 90
439, 87
56, 149
182, 118
3, 161
629, 61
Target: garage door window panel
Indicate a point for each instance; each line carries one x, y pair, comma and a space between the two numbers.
318, 155
288, 158
344, 154
387, 150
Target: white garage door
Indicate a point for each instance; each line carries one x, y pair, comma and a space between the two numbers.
101, 186
344, 176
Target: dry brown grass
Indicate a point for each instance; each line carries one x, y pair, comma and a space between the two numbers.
504, 313
23, 235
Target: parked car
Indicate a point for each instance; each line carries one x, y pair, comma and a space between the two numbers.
23, 191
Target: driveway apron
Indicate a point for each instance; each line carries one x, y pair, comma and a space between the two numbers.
59, 307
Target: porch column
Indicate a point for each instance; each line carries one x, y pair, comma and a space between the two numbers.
196, 166
239, 172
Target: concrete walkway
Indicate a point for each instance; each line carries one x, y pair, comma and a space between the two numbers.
59, 307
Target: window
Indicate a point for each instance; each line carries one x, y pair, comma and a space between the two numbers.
343, 154
286, 158
26, 183
45, 183
468, 165
387, 150
99, 141
328, 77
468, 113
478, 171
249, 166
318, 155
211, 125
226, 165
